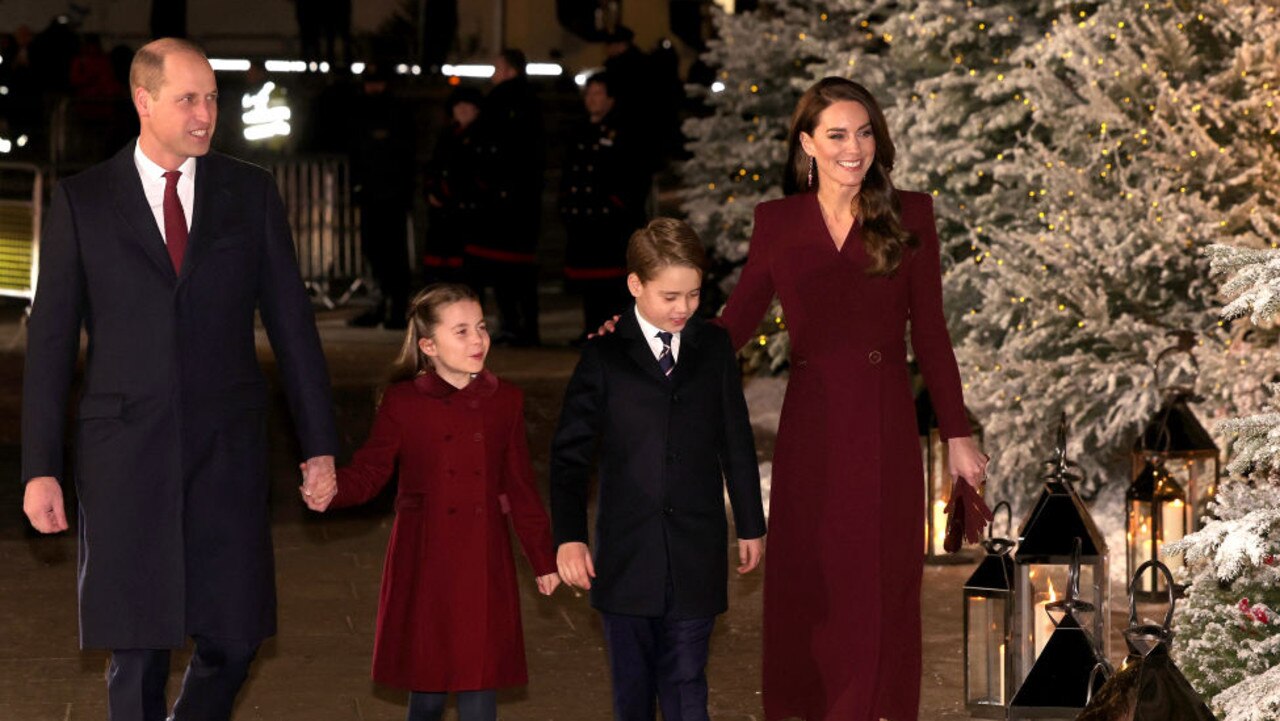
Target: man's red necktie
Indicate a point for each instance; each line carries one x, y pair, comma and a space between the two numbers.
175, 221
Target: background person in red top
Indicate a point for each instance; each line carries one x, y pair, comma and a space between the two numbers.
449, 613
853, 261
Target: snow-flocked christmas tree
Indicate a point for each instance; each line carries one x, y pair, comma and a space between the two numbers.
1080, 164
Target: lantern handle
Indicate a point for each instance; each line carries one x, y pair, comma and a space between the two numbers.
1073, 572
1098, 668
1060, 466
1008, 509
1072, 600
1184, 343
997, 546
1133, 589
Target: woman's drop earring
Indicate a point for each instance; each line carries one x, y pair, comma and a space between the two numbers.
813, 166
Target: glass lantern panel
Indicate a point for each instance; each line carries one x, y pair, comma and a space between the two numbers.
1041, 585
986, 651
1198, 477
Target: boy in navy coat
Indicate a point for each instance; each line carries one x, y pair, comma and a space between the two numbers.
661, 399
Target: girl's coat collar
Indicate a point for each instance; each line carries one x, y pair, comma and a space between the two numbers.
483, 385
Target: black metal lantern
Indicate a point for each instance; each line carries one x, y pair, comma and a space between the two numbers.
1066, 673
1176, 438
988, 628
1148, 686
937, 480
1157, 515
1044, 559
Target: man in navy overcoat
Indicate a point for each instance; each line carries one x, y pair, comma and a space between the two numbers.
163, 255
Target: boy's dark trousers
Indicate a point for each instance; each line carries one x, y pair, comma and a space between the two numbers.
661, 657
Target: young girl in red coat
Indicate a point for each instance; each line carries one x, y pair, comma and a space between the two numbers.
449, 613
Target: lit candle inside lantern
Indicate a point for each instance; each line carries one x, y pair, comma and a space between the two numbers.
1043, 622
1173, 526
1144, 547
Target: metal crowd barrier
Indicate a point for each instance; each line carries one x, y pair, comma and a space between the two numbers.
21, 205
325, 224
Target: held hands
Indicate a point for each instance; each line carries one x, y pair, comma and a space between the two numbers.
750, 553
967, 462
319, 482
42, 502
548, 583
574, 561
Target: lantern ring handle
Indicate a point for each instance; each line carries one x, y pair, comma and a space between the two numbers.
1073, 571
1098, 668
1133, 588
991, 529
1186, 341
998, 546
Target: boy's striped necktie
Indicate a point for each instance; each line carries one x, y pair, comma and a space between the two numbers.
666, 360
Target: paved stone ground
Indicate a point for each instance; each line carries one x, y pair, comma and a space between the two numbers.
328, 570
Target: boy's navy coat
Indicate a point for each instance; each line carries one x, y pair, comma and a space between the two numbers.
667, 448
171, 463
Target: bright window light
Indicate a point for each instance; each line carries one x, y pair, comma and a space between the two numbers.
468, 71
239, 64
717, 87
551, 69
286, 66
357, 68
270, 130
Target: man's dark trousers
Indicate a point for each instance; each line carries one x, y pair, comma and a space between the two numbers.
218, 668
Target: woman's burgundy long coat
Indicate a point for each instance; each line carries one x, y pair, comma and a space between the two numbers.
842, 579
449, 611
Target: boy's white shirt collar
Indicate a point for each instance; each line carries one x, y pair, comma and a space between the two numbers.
650, 332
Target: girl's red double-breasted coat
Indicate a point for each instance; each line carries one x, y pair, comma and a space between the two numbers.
449, 612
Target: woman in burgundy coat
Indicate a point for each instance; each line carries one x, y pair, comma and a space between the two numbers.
449, 613
853, 261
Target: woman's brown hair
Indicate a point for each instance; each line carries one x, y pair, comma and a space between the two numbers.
661, 243
877, 204
423, 317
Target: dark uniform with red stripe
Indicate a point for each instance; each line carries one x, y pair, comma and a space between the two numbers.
602, 194
504, 253
455, 201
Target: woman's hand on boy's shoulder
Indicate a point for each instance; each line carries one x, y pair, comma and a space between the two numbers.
547, 584
606, 327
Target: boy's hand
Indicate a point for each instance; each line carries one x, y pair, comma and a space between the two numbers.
547, 584
574, 561
750, 553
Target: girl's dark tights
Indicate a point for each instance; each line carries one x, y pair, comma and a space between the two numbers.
472, 705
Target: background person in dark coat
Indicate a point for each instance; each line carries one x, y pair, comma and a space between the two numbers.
455, 195
171, 433
503, 253
602, 195
382, 176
